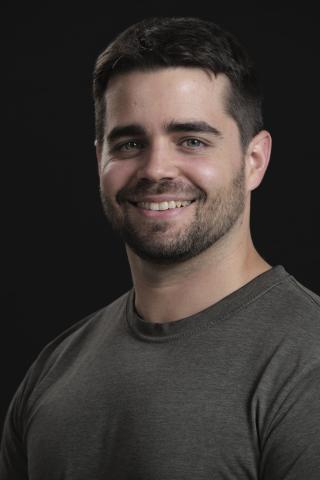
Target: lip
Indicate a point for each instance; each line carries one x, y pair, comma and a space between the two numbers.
161, 214
160, 198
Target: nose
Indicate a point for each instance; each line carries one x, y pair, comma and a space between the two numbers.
158, 162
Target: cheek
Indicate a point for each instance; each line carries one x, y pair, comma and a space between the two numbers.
114, 176
207, 173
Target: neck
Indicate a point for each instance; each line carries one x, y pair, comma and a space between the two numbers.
165, 293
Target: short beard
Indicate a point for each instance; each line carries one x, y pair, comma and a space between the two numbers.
211, 222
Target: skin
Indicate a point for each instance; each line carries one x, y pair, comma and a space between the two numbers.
194, 165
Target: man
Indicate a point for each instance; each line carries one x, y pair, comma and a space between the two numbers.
209, 367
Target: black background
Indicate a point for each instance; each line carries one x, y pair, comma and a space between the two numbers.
61, 261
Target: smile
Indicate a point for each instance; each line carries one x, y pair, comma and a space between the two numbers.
164, 210
164, 205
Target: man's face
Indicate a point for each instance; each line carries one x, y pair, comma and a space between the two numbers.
172, 173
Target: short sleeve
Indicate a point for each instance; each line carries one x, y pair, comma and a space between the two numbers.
13, 459
291, 445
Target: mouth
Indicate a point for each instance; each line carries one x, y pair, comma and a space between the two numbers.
162, 206
165, 210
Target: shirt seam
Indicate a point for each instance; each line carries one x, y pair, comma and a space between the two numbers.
305, 292
197, 330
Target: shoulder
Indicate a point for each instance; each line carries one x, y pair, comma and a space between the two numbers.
288, 387
70, 345
87, 330
291, 307
306, 296
282, 323
49, 366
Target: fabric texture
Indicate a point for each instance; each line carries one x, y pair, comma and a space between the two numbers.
230, 393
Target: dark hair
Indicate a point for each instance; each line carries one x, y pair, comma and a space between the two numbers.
183, 42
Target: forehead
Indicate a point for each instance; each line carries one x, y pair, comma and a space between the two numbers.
155, 96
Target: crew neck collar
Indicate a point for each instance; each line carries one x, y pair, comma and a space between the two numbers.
160, 332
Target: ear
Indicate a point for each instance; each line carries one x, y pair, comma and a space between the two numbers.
257, 158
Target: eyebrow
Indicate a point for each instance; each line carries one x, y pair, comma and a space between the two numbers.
193, 126
125, 131
171, 127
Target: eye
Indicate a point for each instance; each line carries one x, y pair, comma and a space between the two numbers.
126, 149
193, 143
128, 146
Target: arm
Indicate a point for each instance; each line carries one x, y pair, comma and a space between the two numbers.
291, 443
13, 460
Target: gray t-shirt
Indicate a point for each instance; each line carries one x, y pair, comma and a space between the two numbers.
230, 393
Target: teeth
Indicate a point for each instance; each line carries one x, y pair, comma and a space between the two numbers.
164, 205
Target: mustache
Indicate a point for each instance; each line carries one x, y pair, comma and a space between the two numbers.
149, 187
